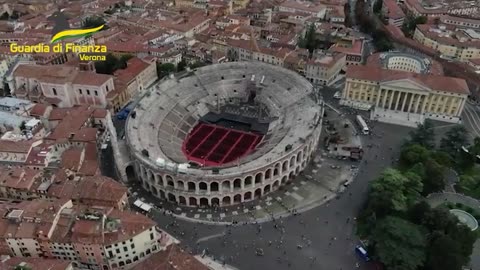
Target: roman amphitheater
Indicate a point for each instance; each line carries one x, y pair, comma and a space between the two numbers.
224, 134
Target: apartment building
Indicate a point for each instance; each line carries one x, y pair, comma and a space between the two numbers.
98, 238
353, 49
61, 86
393, 12
459, 44
324, 69
405, 98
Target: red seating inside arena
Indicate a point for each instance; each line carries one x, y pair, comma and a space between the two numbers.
212, 145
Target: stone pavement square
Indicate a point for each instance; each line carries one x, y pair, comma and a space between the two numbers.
196, 216
297, 197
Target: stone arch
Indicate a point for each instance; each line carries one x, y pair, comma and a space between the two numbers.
191, 186
258, 178
130, 172
162, 194
192, 201
297, 170
258, 193
154, 190
150, 177
215, 201
202, 186
172, 197
292, 161
147, 186
291, 176
267, 189
226, 200
237, 198
121, 263
128, 261
247, 196
159, 180
248, 181
214, 186
182, 200
285, 166
268, 174
237, 183
276, 184
299, 157
203, 202
276, 171
169, 180
284, 179
180, 185
226, 185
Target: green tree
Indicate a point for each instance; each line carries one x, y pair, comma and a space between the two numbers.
181, 65
122, 62
108, 66
309, 40
393, 192
165, 69
443, 253
442, 158
454, 139
417, 212
424, 135
399, 244
412, 154
410, 24
94, 21
434, 180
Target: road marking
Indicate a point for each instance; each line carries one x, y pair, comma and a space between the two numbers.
213, 236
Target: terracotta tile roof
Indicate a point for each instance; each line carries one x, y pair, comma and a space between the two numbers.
90, 78
99, 113
72, 158
85, 135
19, 178
15, 147
35, 263
172, 258
58, 114
434, 82
73, 121
135, 66
38, 110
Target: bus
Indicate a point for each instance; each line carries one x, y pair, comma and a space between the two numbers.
362, 125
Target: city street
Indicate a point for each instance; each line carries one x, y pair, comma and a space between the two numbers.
471, 119
322, 238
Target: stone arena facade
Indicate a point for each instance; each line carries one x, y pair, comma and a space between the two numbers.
164, 118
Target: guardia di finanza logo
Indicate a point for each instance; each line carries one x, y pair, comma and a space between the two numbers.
85, 52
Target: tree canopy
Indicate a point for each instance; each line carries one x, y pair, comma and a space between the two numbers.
399, 244
424, 135
94, 21
112, 63
454, 139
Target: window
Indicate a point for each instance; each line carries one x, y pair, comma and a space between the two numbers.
80, 91
96, 93
132, 246
88, 92
125, 249
54, 91
151, 236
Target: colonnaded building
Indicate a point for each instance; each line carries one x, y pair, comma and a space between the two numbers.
224, 134
401, 90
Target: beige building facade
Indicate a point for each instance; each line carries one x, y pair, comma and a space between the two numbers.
405, 98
